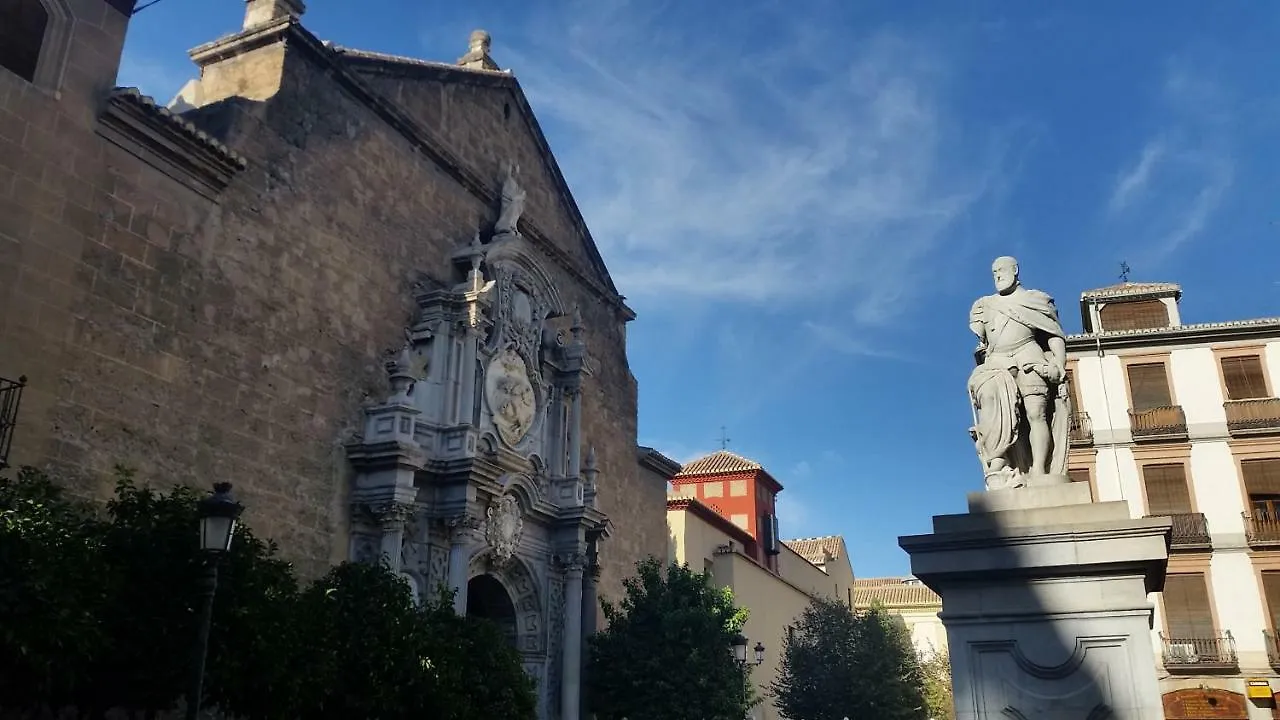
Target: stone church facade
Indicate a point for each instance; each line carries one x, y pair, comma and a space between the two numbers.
355, 285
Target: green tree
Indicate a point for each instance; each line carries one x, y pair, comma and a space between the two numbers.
935, 669
97, 611
838, 663
667, 651
50, 593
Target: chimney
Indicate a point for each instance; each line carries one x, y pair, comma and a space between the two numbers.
477, 56
261, 12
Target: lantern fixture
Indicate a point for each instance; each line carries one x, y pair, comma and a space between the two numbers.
218, 515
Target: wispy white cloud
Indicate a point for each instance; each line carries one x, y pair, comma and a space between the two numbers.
803, 170
1169, 194
1134, 180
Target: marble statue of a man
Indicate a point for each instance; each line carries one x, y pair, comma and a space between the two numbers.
1018, 389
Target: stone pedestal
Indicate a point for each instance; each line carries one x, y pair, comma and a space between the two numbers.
1044, 597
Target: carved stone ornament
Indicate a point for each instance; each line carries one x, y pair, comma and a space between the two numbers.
504, 526
511, 396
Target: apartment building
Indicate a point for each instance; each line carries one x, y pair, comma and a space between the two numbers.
1183, 420
721, 518
908, 598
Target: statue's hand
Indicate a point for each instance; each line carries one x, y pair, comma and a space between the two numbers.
1053, 373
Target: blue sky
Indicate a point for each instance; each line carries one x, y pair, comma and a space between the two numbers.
802, 198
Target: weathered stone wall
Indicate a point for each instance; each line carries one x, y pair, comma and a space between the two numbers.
200, 341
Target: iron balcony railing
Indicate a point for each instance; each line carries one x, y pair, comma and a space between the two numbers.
10, 399
1197, 653
1253, 417
1190, 530
1081, 429
1158, 423
1270, 641
1261, 529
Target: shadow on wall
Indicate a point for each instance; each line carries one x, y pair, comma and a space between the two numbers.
1045, 604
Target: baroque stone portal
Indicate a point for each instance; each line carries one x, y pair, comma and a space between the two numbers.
1018, 390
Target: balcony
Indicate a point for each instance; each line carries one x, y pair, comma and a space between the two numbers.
10, 398
1216, 652
1258, 416
1261, 530
1158, 424
1272, 643
1081, 433
1190, 531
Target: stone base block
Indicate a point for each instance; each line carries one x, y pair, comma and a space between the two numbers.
1044, 597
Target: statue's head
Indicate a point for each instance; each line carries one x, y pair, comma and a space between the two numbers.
1005, 272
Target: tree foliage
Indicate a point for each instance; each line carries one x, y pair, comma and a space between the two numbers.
935, 669
667, 651
838, 663
98, 611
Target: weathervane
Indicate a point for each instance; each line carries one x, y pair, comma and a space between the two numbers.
724, 438
1124, 271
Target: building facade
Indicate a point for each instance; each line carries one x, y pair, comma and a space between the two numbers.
911, 600
355, 285
1183, 420
721, 518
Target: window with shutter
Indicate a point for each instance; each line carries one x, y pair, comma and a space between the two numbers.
1261, 477
1244, 377
1167, 492
1149, 386
1072, 395
1271, 596
1186, 607
21, 36
1136, 315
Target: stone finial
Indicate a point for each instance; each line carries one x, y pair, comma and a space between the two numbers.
477, 56
590, 463
260, 12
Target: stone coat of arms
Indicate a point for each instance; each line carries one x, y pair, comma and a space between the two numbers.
511, 396
504, 527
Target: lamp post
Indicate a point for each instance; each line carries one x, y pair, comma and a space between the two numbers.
218, 515
740, 651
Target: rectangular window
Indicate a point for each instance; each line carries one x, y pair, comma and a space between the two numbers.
1167, 491
1271, 596
738, 488
1078, 474
1261, 478
1072, 395
739, 519
713, 489
1149, 386
1244, 377
1134, 315
1186, 607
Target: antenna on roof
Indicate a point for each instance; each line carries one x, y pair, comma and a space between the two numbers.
724, 438
1124, 271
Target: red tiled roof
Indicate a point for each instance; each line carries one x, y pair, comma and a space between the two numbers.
893, 592
718, 462
812, 549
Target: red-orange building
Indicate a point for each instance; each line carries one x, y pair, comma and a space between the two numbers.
740, 490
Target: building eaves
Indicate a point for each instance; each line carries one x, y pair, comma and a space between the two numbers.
1128, 290
657, 462
1176, 335
134, 96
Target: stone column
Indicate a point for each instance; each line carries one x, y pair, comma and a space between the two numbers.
590, 611
571, 673
392, 517
462, 531
575, 430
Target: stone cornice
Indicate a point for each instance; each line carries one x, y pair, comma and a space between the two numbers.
168, 143
1262, 328
653, 460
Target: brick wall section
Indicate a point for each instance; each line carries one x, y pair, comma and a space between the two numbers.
235, 340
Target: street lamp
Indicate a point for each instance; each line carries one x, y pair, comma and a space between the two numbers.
218, 515
740, 650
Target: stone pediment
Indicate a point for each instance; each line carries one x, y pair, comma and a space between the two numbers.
484, 118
